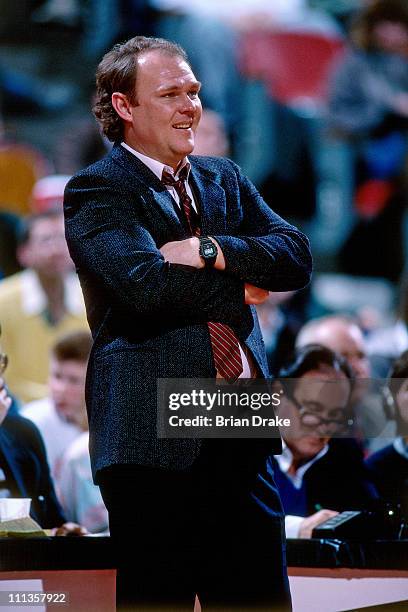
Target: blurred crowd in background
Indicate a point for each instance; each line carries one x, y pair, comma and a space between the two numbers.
309, 97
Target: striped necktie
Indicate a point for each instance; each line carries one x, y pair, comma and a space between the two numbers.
225, 345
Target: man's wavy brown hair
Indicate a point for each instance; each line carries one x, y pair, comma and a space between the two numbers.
118, 72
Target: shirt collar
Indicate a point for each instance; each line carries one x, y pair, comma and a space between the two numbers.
34, 300
401, 447
156, 166
285, 461
401, 335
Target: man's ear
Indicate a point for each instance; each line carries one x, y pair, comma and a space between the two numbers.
122, 105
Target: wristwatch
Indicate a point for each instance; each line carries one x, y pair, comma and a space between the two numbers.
208, 251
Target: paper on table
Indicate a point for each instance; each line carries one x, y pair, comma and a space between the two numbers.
13, 508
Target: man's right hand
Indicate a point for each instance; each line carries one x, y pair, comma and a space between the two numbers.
309, 523
255, 295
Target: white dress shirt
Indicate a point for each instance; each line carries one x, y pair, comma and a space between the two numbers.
292, 522
401, 447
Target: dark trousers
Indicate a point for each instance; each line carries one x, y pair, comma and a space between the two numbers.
199, 531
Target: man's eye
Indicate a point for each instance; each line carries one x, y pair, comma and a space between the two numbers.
193, 94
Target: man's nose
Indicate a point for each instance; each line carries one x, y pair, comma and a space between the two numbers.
187, 104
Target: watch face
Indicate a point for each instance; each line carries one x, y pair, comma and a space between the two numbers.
209, 250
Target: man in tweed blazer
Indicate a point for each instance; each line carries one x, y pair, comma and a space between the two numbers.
187, 506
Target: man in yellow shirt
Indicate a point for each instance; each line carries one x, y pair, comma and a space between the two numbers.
39, 304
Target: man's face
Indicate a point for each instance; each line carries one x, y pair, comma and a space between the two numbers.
391, 36
402, 401
164, 122
46, 249
66, 385
347, 340
350, 343
319, 394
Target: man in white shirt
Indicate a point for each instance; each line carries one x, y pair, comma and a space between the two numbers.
61, 416
165, 286
319, 472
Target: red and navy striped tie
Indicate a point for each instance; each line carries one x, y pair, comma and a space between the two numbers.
225, 345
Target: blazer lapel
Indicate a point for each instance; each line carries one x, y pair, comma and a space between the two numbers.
212, 200
204, 183
153, 192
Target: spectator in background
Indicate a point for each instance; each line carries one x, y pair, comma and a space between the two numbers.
211, 137
9, 230
317, 473
24, 470
38, 304
389, 466
80, 498
82, 145
281, 317
342, 335
62, 421
368, 105
385, 344
48, 193
61, 415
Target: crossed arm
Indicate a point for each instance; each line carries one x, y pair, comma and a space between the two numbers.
187, 252
111, 244
267, 253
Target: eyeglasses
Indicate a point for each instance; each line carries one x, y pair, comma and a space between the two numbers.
311, 418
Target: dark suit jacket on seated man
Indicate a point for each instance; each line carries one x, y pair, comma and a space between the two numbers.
25, 469
24, 465
25, 472
184, 504
320, 471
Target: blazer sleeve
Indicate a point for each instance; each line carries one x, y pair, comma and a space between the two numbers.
268, 252
111, 246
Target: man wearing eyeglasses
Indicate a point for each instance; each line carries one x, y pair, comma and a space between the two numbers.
319, 473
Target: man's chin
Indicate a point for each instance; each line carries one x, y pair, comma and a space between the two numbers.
184, 148
314, 444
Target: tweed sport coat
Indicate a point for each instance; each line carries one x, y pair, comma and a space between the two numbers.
147, 316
